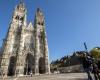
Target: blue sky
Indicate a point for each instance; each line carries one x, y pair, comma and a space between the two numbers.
69, 23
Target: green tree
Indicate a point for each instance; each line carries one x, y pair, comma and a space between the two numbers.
95, 52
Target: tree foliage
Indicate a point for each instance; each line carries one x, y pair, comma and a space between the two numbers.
95, 52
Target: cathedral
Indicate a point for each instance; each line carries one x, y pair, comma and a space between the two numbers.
25, 48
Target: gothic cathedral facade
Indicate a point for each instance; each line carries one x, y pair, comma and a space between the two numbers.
25, 47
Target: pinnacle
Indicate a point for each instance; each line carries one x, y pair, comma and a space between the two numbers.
21, 4
39, 10
21, 1
30, 26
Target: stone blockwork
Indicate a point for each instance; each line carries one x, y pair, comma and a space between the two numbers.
25, 47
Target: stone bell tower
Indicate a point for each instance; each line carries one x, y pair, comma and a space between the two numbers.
41, 46
13, 38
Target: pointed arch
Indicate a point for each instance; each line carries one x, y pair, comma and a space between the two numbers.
12, 66
41, 65
29, 65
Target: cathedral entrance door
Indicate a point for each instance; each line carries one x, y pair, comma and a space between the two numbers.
12, 66
41, 65
29, 64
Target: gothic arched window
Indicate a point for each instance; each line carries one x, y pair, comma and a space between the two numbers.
21, 18
17, 17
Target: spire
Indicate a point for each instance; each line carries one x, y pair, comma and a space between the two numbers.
21, 1
39, 17
30, 26
21, 5
39, 12
20, 13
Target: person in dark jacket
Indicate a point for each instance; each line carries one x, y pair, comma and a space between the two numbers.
98, 64
88, 69
96, 71
86, 61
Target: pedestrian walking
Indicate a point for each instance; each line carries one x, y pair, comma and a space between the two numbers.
98, 64
86, 62
31, 73
96, 71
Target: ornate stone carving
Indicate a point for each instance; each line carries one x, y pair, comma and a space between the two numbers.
26, 48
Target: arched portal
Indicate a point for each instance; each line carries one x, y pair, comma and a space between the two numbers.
12, 66
42, 65
29, 48
29, 66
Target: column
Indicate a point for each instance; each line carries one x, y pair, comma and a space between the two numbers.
47, 65
37, 52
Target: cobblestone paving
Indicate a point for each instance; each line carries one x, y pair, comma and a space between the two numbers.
69, 76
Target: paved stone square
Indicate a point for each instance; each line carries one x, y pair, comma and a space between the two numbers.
68, 76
